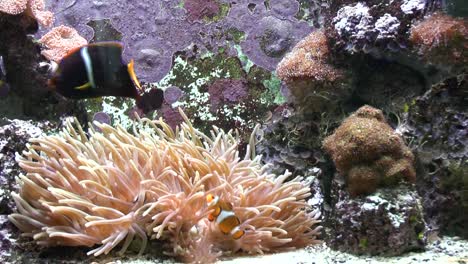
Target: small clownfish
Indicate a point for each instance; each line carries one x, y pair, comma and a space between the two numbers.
227, 221
96, 70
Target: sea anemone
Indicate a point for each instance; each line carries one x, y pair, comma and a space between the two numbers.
106, 188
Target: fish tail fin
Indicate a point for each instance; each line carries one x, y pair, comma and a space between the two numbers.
133, 77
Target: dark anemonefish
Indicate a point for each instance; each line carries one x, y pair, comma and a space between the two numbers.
227, 221
96, 70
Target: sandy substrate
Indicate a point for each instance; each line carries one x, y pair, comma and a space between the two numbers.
448, 250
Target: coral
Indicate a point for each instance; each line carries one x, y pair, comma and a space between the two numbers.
198, 9
105, 188
172, 94
223, 40
285, 8
412, 6
59, 41
308, 74
6, 244
104, 31
372, 28
36, 7
369, 153
308, 59
33, 7
389, 222
177, 25
290, 140
437, 125
26, 76
442, 39
226, 91
217, 90
13, 135
171, 116
353, 21
387, 26
13, 7
270, 38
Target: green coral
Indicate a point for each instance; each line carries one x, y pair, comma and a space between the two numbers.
236, 35
194, 76
273, 85
304, 12
363, 243
223, 12
246, 62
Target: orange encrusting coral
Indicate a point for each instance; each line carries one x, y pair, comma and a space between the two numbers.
107, 187
369, 152
59, 41
34, 8
308, 59
37, 8
441, 38
315, 83
13, 7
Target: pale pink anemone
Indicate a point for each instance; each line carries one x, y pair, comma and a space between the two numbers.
106, 188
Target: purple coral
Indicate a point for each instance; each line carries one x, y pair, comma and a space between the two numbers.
198, 9
153, 31
171, 116
172, 94
102, 118
227, 91
270, 36
285, 8
389, 223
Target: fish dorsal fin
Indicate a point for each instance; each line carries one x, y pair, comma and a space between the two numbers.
72, 51
106, 44
131, 72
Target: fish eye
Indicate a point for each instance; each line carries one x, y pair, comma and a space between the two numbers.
209, 198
